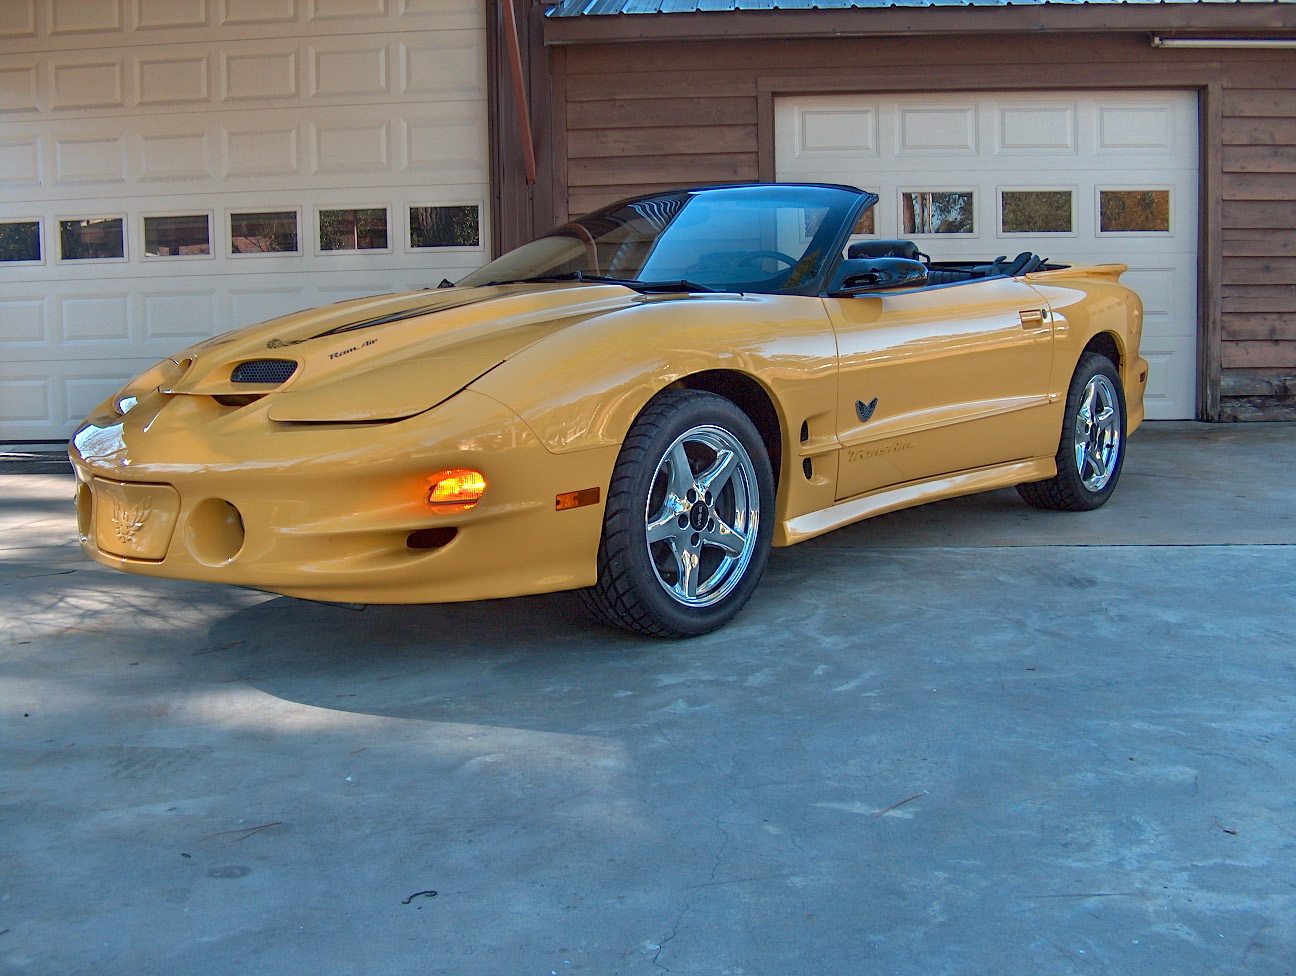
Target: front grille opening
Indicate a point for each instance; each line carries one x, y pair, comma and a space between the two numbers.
442, 535
263, 371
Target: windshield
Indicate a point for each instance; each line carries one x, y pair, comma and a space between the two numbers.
770, 238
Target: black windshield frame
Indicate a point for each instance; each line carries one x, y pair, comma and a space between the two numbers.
679, 238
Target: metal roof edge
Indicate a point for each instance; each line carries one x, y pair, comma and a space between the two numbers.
639, 8
883, 18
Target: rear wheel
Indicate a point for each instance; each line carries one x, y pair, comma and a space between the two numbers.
1092, 448
686, 532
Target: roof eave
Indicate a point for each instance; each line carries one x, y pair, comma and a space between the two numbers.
1158, 17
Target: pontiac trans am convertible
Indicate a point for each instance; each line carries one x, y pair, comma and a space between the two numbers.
637, 405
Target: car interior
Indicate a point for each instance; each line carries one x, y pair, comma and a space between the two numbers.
871, 265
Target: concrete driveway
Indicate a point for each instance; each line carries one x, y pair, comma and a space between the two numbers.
970, 738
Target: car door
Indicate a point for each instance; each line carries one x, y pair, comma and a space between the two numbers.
940, 380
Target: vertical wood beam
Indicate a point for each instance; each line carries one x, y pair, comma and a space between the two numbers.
1210, 251
520, 113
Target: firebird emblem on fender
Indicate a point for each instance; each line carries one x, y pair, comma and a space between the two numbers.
129, 519
865, 410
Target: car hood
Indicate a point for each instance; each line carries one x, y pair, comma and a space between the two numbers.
387, 357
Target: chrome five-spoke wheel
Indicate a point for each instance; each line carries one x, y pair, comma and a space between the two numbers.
702, 516
1098, 433
1092, 446
688, 521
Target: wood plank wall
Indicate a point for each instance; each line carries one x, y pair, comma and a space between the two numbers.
641, 117
1258, 294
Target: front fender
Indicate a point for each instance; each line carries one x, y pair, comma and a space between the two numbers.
582, 388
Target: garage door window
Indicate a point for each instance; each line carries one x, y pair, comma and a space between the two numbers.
263, 233
180, 236
937, 212
1035, 212
20, 241
353, 230
866, 225
1125, 211
92, 238
444, 227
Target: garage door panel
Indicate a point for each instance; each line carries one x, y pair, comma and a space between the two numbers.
945, 130
94, 320
27, 400
80, 81
173, 157
84, 16
18, 19
349, 67
171, 80
18, 85
180, 315
444, 67
350, 149
263, 146
825, 133
1171, 390
943, 165
1037, 129
79, 159
1122, 128
24, 321
1160, 289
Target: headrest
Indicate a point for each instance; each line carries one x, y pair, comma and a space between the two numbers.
884, 249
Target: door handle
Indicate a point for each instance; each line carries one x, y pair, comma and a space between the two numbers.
1034, 318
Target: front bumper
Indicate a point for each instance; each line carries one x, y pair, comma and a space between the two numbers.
185, 489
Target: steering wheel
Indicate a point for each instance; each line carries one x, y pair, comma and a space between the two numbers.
751, 257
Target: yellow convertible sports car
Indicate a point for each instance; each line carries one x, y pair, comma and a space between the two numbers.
636, 405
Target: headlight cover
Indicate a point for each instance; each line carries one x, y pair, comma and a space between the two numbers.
163, 374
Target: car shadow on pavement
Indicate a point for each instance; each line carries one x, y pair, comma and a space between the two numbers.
537, 662
490, 660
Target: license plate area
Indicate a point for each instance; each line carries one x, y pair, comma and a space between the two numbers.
134, 520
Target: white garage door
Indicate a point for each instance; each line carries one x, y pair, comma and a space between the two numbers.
171, 169
1078, 177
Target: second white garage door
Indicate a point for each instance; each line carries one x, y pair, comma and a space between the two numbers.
1077, 177
172, 169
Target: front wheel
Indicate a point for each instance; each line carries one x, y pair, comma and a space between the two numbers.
1092, 449
689, 518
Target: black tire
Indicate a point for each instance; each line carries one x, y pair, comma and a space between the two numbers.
682, 551
1091, 451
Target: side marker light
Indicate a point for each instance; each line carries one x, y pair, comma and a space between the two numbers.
576, 499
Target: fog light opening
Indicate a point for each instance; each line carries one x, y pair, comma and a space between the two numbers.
214, 531
84, 511
435, 538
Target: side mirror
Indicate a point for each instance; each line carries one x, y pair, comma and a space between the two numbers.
861, 276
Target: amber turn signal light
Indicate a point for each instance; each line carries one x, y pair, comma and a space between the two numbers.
455, 491
576, 499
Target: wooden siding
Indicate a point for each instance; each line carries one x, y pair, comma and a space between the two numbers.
1258, 313
648, 116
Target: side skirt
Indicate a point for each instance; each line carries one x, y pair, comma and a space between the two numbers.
906, 496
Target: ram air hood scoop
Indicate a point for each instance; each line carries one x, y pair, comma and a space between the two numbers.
389, 357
